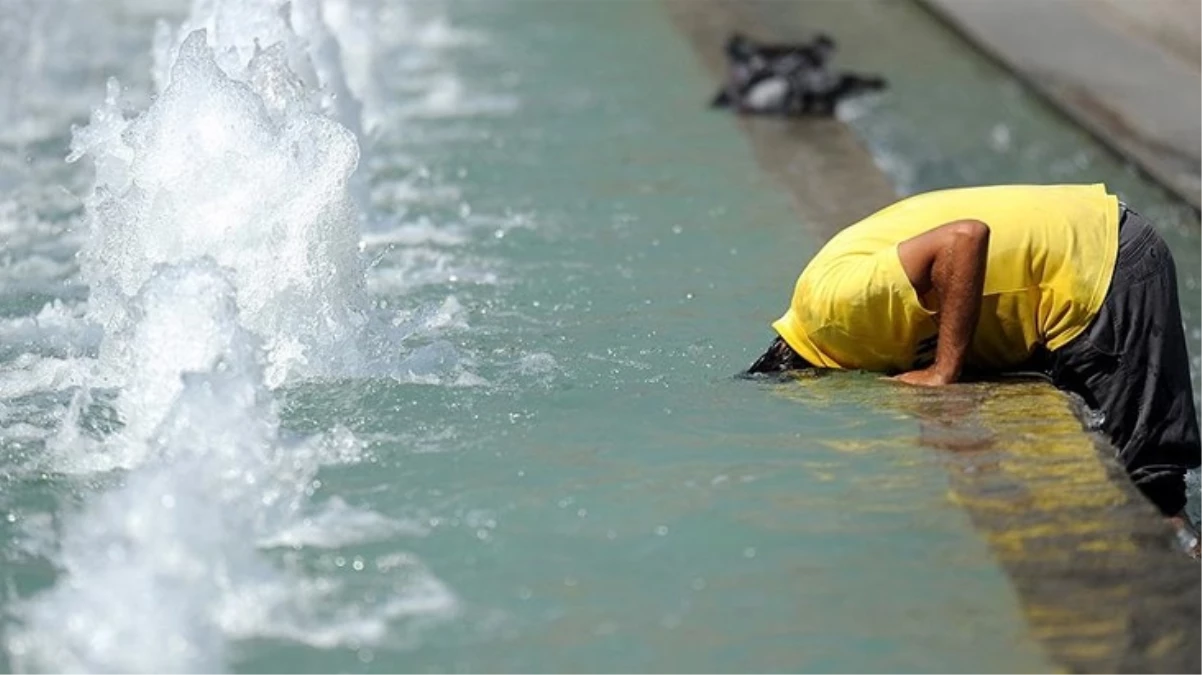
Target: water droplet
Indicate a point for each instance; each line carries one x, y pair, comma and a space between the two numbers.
662, 530
999, 137
357, 564
749, 552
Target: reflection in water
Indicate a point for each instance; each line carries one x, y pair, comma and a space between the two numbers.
1102, 585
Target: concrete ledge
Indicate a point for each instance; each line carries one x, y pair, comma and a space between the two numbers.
1126, 77
1102, 588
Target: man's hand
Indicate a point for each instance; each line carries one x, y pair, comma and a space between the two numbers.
949, 260
927, 377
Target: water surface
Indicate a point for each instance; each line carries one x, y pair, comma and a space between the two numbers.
544, 460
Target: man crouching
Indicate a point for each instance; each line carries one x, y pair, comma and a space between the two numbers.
1063, 278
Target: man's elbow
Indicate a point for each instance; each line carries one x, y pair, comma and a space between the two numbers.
970, 231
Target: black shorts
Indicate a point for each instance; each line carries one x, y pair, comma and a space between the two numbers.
1132, 367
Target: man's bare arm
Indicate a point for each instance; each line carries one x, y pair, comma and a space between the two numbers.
950, 260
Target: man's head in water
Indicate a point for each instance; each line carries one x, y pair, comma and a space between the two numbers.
779, 358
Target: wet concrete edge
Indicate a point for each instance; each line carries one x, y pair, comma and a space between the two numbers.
1102, 588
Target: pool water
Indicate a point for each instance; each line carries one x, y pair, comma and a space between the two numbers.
476, 406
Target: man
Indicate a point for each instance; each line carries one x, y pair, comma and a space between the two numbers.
1060, 278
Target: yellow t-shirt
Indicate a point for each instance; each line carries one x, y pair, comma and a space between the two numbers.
1052, 251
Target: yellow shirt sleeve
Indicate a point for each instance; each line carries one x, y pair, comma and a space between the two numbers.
870, 317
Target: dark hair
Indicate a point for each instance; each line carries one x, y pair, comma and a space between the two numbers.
779, 358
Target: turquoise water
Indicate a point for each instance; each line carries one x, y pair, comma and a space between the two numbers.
552, 466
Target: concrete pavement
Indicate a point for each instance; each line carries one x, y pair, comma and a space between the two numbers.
1126, 70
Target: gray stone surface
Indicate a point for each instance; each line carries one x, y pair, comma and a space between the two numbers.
1173, 25
1122, 70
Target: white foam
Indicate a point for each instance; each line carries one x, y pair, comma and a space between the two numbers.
32, 374
153, 570
57, 329
237, 31
212, 170
32, 271
537, 363
430, 318
303, 613
23, 431
143, 564
403, 270
184, 324
337, 525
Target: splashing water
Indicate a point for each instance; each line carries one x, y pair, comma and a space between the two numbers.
300, 35
222, 258
245, 175
238, 30
175, 548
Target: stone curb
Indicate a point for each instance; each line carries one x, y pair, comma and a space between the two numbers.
1134, 93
